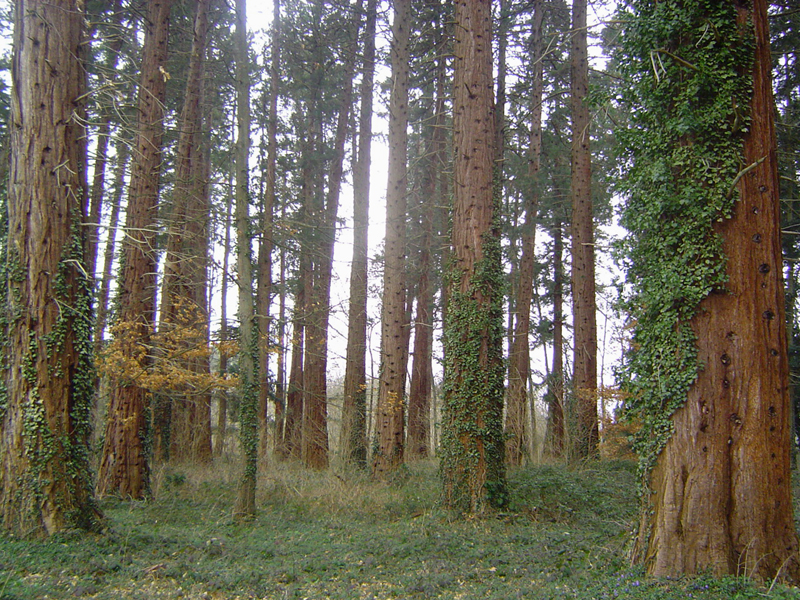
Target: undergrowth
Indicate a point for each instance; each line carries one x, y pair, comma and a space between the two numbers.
343, 536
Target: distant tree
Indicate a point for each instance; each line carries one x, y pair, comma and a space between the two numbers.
519, 362
48, 381
183, 310
708, 369
124, 468
472, 455
390, 424
353, 442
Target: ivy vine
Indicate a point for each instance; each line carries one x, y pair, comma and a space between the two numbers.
473, 386
687, 88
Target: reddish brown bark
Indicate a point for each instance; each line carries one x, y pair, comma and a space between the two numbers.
124, 469
583, 276
353, 439
722, 498
45, 482
390, 424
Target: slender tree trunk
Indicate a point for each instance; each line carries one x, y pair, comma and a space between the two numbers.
583, 279
556, 383
391, 398
45, 481
101, 319
721, 495
248, 326
264, 286
103, 133
472, 463
222, 395
124, 468
519, 361
354, 412
292, 427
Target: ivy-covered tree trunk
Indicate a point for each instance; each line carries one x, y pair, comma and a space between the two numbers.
48, 379
390, 425
353, 440
248, 327
472, 461
519, 361
711, 350
124, 468
555, 385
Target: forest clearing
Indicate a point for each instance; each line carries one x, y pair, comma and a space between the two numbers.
566, 535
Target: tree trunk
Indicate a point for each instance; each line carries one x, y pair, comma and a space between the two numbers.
103, 134
583, 279
721, 489
222, 395
394, 348
124, 468
556, 383
353, 440
472, 462
248, 326
264, 285
183, 298
519, 361
45, 481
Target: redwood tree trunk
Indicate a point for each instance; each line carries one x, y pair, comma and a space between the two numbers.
45, 482
722, 498
472, 425
124, 468
583, 279
390, 425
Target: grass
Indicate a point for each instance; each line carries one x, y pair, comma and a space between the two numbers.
343, 536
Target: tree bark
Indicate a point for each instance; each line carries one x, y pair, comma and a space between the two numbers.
353, 439
390, 426
721, 489
124, 468
472, 463
583, 277
519, 361
45, 481
183, 313
248, 326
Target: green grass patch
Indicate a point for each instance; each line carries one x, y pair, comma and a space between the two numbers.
344, 536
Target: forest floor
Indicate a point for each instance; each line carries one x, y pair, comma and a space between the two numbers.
333, 535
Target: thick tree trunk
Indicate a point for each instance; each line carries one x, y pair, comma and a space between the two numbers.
390, 424
293, 419
721, 490
472, 463
353, 439
519, 361
45, 482
583, 278
124, 468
